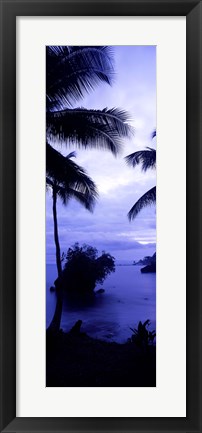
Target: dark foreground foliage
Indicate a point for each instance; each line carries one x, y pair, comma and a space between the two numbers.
142, 337
75, 359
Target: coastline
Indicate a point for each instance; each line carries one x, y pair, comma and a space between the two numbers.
129, 297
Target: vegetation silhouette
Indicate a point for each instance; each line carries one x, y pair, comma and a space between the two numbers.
71, 73
142, 337
75, 359
84, 269
67, 180
147, 158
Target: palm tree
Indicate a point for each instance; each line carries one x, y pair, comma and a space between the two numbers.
67, 180
147, 158
146, 199
102, 129
71, 73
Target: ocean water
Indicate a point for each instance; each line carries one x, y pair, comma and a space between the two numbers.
129, 297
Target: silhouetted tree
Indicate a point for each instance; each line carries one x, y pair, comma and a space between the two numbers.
147, 158
67, 180
84, 268
71, 73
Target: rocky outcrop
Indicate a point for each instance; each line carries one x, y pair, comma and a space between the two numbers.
149, 268
100, 291
148, 260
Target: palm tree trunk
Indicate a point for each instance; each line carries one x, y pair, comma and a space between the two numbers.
55, 323
56, 237
54, 326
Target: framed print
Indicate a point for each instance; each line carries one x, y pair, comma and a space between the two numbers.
100, 112
94, 368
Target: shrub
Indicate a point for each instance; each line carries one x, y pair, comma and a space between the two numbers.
83, 268
141, 336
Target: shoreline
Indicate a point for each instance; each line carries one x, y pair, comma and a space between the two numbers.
129, 297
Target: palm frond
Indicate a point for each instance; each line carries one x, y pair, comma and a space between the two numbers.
102, 129
59, 167
49, 182
71, 155
145, 157
74, 71
85, 198
148, 198
69, 178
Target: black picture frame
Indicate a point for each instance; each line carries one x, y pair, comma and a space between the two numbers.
9, 11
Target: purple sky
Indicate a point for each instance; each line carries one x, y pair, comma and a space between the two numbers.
119, 186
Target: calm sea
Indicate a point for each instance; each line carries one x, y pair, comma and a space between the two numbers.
129, 297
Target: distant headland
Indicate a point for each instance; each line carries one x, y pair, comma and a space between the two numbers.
149, 263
